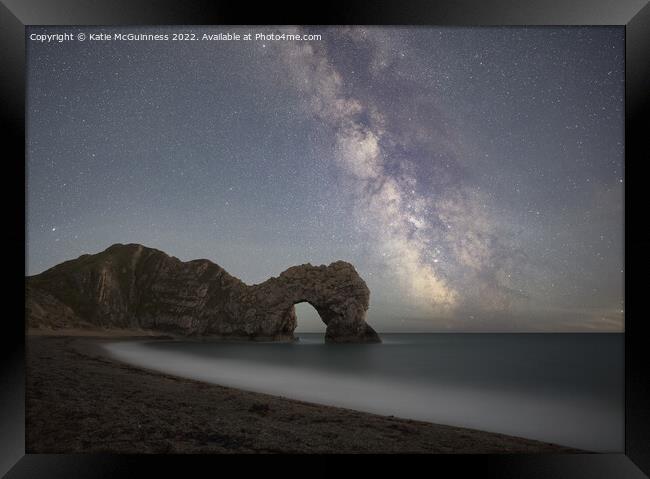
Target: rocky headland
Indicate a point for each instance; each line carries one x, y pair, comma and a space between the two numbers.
134, 287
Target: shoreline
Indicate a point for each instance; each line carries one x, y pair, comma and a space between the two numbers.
123, 408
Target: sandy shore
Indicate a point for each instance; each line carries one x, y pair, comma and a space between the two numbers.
80, 400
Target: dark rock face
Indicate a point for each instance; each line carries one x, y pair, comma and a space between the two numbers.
131, 286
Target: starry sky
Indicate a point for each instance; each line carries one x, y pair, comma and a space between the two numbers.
473, 176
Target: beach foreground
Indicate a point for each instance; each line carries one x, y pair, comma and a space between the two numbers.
80, 400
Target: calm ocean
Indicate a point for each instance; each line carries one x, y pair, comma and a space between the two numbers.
562, 388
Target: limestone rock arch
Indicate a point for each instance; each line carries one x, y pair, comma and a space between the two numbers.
336, 292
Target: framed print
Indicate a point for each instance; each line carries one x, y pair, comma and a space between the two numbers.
387, 229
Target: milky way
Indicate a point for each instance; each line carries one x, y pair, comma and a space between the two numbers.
473, 176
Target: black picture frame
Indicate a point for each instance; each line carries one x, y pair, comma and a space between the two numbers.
16, 14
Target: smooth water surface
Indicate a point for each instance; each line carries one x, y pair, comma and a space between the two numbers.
560, 388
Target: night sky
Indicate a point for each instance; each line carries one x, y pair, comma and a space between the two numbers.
473, 176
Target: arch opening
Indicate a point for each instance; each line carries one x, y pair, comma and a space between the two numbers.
307, 319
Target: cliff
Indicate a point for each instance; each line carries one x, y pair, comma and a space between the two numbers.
132, 286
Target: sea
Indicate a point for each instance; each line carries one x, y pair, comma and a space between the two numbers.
563, 388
